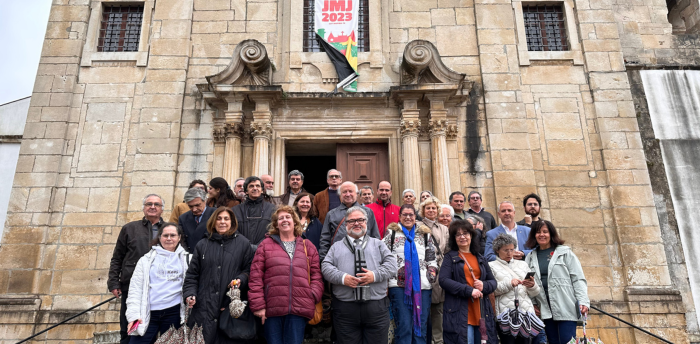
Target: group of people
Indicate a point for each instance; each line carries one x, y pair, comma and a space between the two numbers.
418, 272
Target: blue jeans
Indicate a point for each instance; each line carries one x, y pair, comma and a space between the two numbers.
559, 332
287, 329
403, 317
161, 320
473, 334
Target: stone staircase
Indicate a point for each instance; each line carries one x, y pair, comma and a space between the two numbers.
106, 337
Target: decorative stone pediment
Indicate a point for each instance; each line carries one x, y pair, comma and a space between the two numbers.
250, 66
422, 65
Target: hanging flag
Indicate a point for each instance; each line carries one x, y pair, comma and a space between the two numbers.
336, 29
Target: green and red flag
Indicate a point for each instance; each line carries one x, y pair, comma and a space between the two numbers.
336, 29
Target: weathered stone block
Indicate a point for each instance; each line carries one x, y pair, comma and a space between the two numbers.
262, 11
106, 112
570, 152
109, 91
495, 16
21, 256
562, 126
409, 19
575, 217
170, 47
442, 16
105, 75
541, 75
82, 281
559, 105
96, 158
570, 197
81, 235
643, 254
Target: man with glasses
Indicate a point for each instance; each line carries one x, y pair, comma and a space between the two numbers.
133, 242
476, 209
531, 203
359, 268
328, 199
334, 228
194, 222
254, 214
182, 208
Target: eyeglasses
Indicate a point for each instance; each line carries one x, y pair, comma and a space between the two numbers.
149, 204
334, 176
408, 216
357, 221
463, 235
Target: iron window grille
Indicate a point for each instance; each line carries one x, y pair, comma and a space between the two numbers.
309, 30
120, 29
545, 28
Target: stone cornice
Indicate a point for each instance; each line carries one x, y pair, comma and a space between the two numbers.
422, 65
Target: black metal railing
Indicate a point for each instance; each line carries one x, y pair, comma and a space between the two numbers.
630, 324
69, 319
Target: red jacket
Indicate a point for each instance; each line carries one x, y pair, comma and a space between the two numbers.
280, 285
384, 214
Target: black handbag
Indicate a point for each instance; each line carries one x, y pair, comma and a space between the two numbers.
241, 328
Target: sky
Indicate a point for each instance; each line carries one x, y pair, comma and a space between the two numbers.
22, 30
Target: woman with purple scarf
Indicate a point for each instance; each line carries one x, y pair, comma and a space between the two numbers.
410, 291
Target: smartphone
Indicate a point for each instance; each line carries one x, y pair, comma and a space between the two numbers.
530, 274
133, 327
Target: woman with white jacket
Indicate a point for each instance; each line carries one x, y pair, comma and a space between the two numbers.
510, 275
155, 294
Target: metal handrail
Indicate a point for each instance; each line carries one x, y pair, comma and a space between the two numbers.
630, 324
69, 319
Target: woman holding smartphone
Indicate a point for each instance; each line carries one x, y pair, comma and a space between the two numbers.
155, 295
514, 281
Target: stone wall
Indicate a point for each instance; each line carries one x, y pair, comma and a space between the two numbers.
100, 137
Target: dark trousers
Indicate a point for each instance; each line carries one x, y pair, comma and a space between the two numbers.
508, 339
403, 317
559, 332
361, 322
161, 320
286, 329
123, 324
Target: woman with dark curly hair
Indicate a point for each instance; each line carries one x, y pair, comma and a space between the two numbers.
466, 278
559, 274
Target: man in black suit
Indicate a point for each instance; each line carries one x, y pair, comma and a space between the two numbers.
194, 222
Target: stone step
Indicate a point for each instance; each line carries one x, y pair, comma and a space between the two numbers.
106, 337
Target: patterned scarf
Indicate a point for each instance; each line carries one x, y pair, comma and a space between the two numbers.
412, 292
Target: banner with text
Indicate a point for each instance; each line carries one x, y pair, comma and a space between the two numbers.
336, 27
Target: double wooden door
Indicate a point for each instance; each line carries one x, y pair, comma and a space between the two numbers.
363, 163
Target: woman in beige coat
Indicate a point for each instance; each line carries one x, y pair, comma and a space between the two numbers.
430, 210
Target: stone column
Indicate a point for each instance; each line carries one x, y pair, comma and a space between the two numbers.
261, 128
278, 168
438, 143
410, 127
233, 129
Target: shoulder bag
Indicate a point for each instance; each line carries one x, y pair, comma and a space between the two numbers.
318, 310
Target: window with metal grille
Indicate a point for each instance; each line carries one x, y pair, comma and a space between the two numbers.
309, 30
120, 28
545, 29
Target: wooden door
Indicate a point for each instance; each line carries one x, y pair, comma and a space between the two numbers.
363, 163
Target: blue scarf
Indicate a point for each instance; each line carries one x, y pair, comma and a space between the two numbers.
412, 292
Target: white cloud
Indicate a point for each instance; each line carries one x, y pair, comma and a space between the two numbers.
22, 30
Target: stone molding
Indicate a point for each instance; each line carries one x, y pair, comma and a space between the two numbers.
249, 65
422, 65
219, 133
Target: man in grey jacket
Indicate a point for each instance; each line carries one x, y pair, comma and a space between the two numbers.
359, 268
334, 227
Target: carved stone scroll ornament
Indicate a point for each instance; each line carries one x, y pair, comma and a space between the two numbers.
249, 65
438, 127
234, 129
261, 129
410, 127
422, 65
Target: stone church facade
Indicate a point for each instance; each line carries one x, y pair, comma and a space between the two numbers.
450, 98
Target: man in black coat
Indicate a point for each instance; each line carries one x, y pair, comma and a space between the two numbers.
253, 215
133, 242
194, 222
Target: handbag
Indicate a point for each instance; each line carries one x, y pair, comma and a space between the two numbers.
242, 328
318, 310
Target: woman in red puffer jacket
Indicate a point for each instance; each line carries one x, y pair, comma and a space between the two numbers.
285, 280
